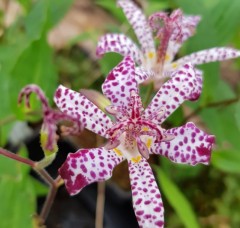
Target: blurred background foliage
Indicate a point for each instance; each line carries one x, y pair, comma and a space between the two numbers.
51, 42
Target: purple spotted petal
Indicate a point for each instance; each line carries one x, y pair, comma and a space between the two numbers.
120, 82
188, 26
121, 44
79, 107
147, 201
142, 74
87, 166
184, 85
185, 28
190, 145
139, 23
210, 55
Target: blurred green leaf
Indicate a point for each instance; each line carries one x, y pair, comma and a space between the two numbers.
25, 56
219, 22
82, 37
111, 6
39, 188
34, 67
57, 10
226, 160
177, 200
25, 4
17, 194
11, 49
35, 21
155, 6
179, 172
108, 62
17, 203
220, 120
237, 114
176, 117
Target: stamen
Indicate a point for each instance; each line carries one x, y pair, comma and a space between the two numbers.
142, 148
111, 109
111, 144
168, 137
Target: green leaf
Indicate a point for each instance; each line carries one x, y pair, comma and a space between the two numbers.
17, 39
26, 4
34, 66
219, 21
155, 6
57, 9
111, 6
18, 203
108, 62
220, 120
177, 200
176, 117
237, 114
227, 161
14, 169
35, 21
39, 188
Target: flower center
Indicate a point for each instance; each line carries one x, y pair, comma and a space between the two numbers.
131, 127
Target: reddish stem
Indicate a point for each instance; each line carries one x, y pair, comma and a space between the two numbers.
16, 157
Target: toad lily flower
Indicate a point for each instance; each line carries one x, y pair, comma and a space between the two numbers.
50, 118
133, 135
172, 30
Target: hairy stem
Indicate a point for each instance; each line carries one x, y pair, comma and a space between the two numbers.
53, 184
48, 203
16, 157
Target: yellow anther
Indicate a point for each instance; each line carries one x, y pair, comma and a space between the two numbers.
174, 65
136, 159
145, 128
149, 143
150, 55
167, 57
118, 152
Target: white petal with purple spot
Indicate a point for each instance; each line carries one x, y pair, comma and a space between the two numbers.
78, 106
182, 86
141, 74
87, 166
139, 23
147, 200
121, 44
189, 146
120, 82
209, 55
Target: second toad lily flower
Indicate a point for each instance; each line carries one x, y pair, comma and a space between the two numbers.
133, 135
172, 30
